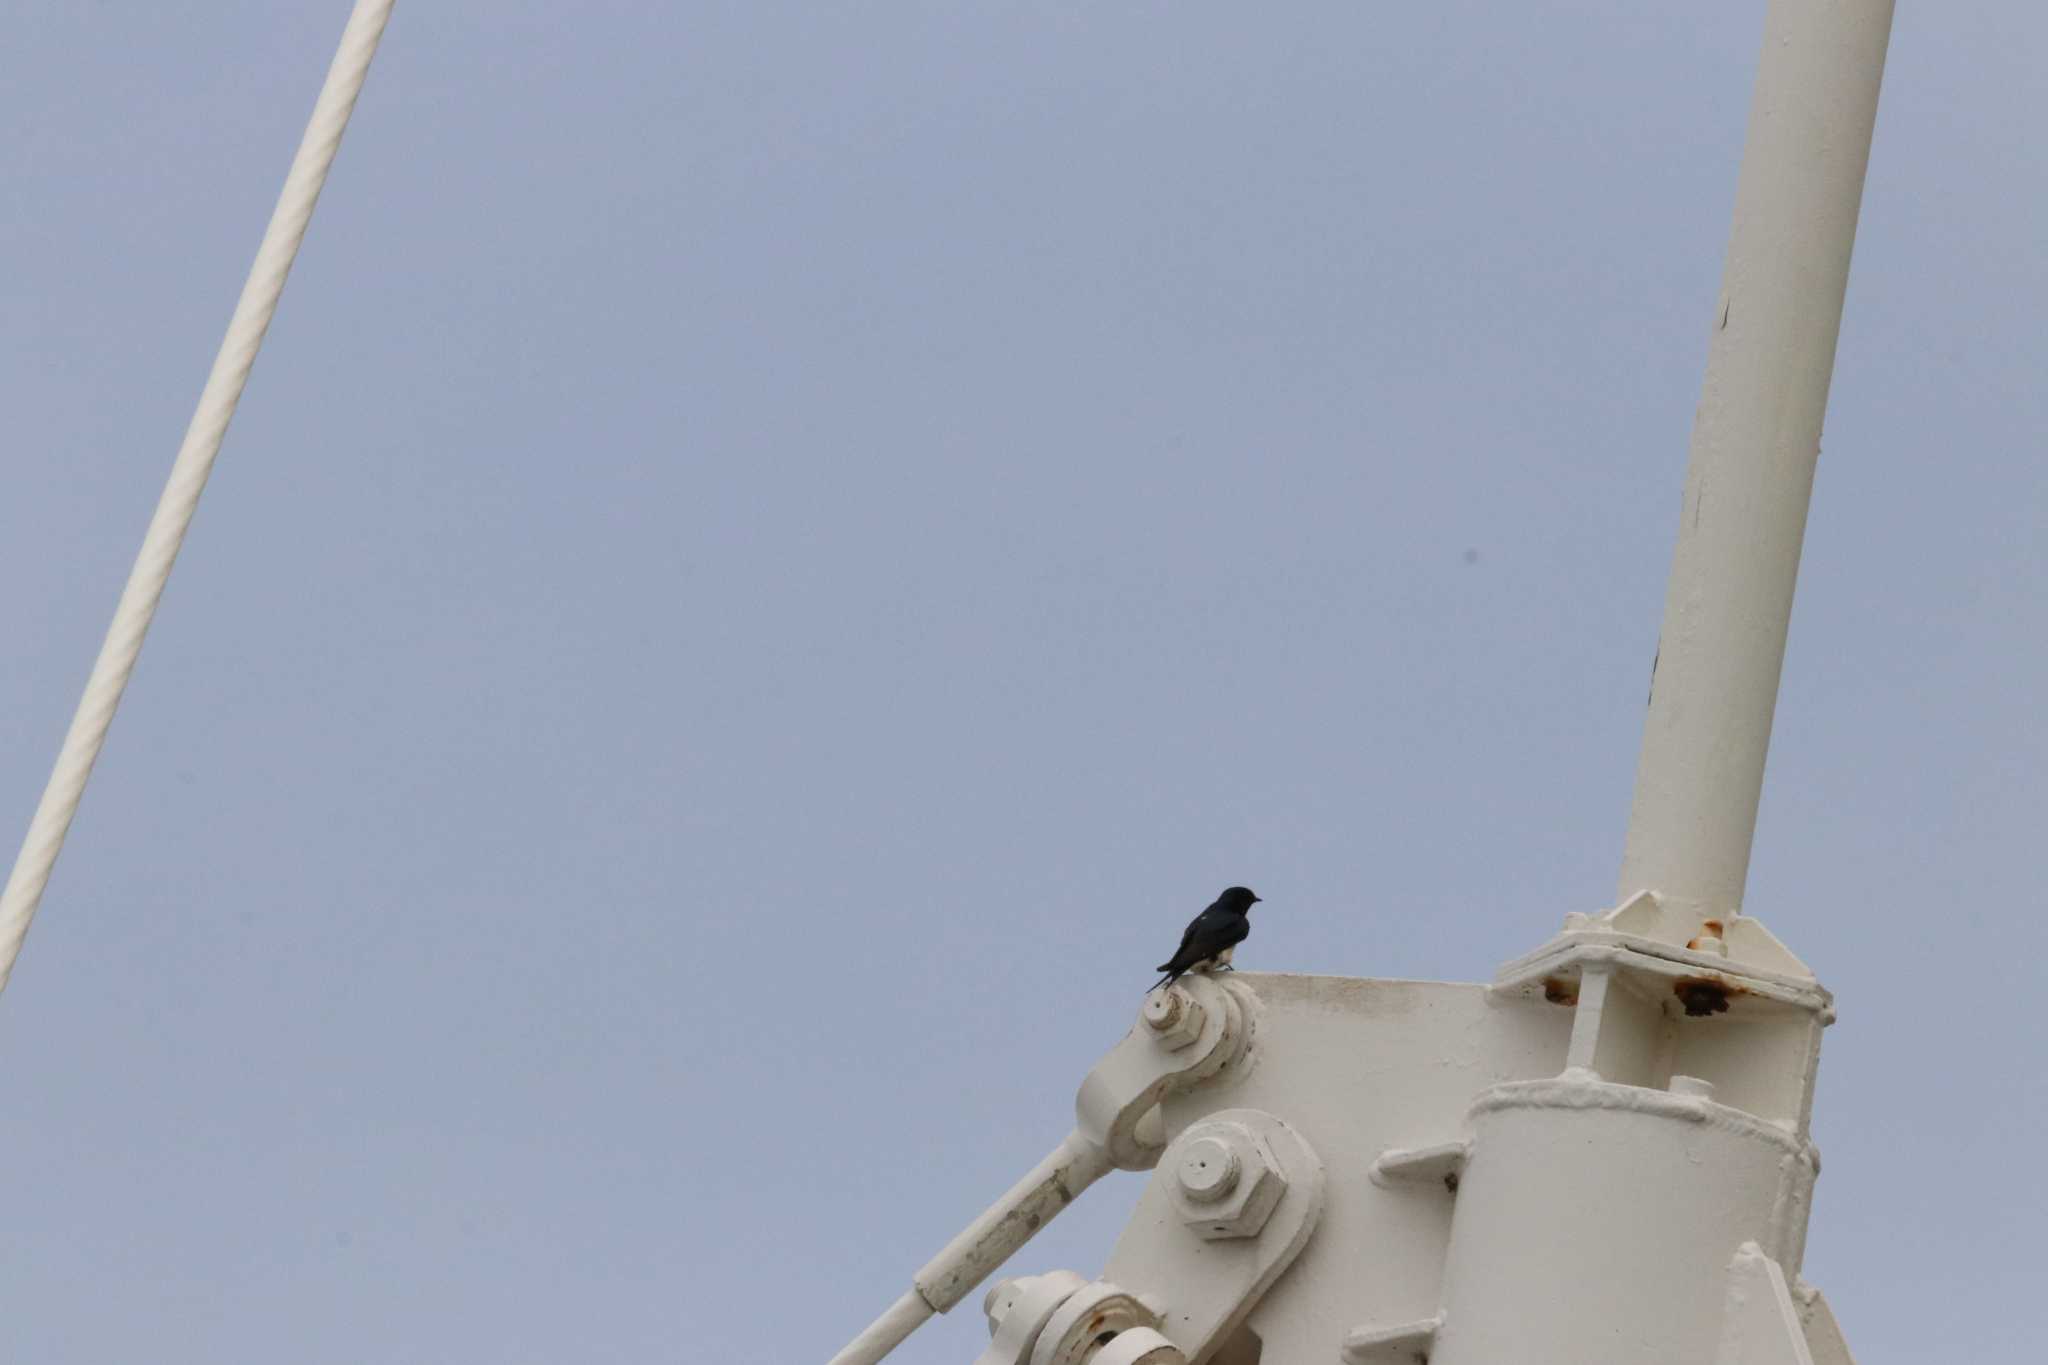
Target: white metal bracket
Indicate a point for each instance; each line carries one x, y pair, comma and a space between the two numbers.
1823, 1334
1762, 1324
1207, 1284
1407, 1344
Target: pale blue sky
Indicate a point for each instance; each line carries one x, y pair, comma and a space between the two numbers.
776, 552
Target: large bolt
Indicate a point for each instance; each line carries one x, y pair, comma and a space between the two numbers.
1226, 1180
1174, 1016
1208, 1170
1162, 1009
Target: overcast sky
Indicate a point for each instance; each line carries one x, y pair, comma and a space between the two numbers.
777, 552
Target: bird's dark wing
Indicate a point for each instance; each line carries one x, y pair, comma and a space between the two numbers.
1209, 934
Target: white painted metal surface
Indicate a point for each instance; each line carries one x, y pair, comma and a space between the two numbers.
137, 607
1595, 1219
1483, 1193
1359, 1069
1760, 1325
1754, 445
1205, 1257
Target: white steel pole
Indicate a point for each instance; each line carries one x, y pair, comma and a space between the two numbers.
160, 544
1754, 446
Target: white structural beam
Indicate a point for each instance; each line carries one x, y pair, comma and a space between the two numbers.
160, 544
1754, 446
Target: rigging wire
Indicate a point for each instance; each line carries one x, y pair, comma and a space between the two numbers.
253, 312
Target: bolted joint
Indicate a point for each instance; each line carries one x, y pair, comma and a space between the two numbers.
1226, 1180
1018, 1310
1174, 1016
1094, 1317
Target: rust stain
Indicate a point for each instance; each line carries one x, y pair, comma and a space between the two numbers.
1559, 991
1709, 929
1704, 995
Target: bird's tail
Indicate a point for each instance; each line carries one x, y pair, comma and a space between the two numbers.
1167, 980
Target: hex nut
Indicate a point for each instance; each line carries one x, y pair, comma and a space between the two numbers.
1174, 1016
1253, 1194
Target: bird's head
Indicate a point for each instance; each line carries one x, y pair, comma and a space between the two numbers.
1238, 899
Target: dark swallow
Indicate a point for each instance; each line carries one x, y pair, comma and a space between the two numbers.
1210, 935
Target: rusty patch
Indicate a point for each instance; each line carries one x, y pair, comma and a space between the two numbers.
1704, 995
1559, 991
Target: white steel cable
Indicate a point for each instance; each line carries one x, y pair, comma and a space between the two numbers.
174, 510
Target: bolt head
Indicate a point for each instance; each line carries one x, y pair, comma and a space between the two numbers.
1208, 1170
1174, 1016
1163, 1009
1217, 1206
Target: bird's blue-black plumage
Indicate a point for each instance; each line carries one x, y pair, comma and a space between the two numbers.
1222, 926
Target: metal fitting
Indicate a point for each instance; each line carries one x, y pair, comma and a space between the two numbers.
1208, 1170
1174, 1016
1227, 1181
1710, 939
1018, 1310
1138, 1346
1093, 1317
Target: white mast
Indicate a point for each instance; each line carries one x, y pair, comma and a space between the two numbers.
1754, 445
